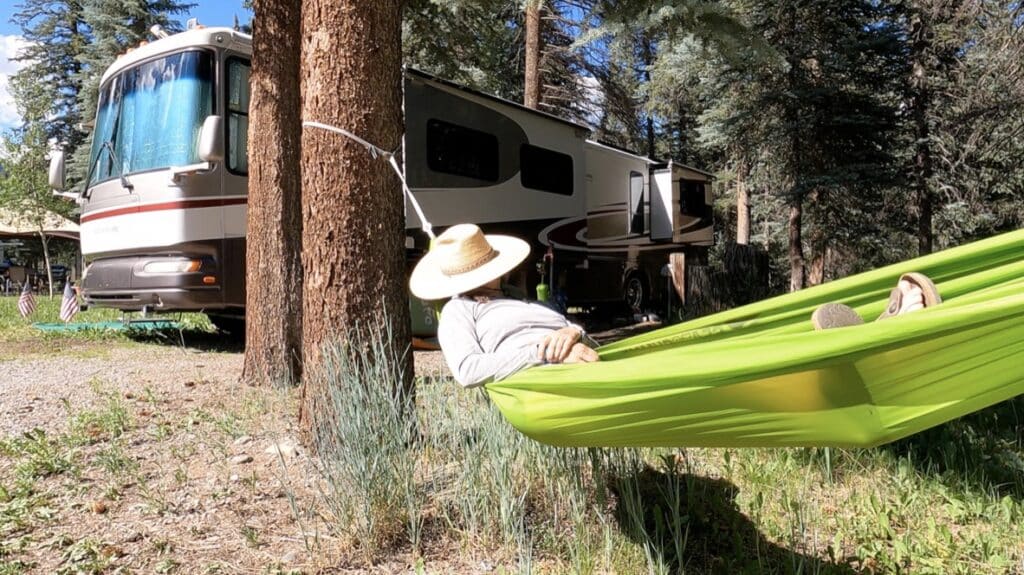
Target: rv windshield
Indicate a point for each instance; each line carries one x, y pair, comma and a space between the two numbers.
151, 115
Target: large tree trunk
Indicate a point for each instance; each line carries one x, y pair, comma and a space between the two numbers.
273, 301
353, 224
920, 102
796, 252
742, 206
531, 88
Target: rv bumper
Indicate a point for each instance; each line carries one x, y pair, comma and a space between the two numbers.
168, 283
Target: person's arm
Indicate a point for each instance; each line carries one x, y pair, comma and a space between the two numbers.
468, 362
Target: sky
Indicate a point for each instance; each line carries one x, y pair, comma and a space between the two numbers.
209, 12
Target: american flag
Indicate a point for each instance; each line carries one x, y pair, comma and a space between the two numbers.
69, 304
27, 301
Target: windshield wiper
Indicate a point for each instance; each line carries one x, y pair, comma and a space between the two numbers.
124, 180
109, 147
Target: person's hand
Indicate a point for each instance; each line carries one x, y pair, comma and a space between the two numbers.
581, 354
557, 345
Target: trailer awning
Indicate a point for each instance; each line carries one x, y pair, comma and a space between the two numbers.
15, 225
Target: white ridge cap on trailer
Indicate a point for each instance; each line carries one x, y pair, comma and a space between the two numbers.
196, 37
620, 151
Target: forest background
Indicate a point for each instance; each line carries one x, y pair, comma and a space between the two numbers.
845, 134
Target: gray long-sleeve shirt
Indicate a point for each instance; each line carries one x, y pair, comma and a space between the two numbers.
489, 341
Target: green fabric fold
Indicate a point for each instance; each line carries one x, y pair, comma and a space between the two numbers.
761, 376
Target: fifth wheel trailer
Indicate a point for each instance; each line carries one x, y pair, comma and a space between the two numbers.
163, 210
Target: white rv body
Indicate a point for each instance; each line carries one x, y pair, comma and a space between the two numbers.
163, 230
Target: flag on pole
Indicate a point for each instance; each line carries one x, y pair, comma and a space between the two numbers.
68, 305
27, 301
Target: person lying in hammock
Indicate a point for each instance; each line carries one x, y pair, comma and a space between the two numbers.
487, 337
484, 335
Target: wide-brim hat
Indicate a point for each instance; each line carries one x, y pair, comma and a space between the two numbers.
462, 259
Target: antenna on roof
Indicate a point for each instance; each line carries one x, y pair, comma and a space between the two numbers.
238, 28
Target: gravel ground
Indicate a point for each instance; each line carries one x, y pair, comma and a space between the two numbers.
38, 391
191, 485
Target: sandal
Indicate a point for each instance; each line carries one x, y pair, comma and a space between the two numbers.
929, 293
833, 315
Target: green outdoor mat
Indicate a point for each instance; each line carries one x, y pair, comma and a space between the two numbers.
761, 376
136, 325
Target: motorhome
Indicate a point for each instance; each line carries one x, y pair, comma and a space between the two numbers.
163, 209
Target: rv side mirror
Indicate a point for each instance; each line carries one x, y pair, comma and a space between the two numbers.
211, 139
57, 171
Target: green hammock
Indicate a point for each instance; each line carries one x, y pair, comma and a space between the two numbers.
760, 376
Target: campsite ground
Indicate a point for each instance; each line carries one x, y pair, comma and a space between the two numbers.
146, 454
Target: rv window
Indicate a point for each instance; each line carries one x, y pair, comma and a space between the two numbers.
462, 151
545, 170
692, 202
238, 116
636, 204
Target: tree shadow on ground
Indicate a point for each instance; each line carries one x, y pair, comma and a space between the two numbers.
198, 339
980, 451
684, 520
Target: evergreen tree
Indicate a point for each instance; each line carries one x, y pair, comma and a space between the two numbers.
56, 36
114, 25
477, 44
273, 317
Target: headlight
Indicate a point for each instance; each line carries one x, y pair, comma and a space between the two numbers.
172, 267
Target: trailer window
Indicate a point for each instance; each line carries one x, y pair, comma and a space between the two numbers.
692, 201
637, 221
462, 151
238, 116
545, 170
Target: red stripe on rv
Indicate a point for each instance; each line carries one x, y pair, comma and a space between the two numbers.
176, 205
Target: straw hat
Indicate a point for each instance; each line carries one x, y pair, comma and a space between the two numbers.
463, 258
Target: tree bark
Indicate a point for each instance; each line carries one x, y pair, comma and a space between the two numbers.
819, 256
531, 88
273, 333
742, 206
353, 223
796, 252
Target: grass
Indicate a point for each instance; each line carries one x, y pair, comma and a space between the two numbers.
19, 330
949, 500
456, 488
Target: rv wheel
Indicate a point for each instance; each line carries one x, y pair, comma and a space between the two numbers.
634, 293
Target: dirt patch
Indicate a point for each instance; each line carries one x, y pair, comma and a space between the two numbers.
198, 473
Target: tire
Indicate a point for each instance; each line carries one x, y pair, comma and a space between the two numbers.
635, 294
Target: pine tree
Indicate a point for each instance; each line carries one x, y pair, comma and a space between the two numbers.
273, 350
56, 36
114, 25
353, 223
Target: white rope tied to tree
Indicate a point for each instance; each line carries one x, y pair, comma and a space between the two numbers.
378, 152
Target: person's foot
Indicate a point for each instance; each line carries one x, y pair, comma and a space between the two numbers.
833, 315
914, 292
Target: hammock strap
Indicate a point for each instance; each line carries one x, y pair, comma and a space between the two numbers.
378, 152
